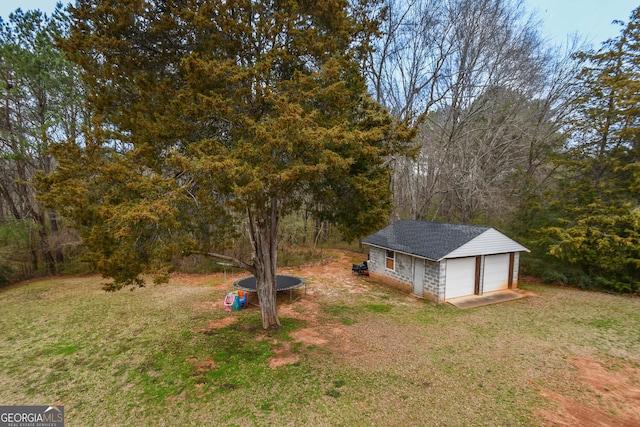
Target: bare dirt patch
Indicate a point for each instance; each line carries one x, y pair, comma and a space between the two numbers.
613, 396
316, 332
332, 278
309, 336
306, 309
218, 324
202, 365
329, 336
323, 279
283, 356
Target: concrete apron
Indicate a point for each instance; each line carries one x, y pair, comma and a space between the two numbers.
472, 301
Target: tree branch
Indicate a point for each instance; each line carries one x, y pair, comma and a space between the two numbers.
239, 263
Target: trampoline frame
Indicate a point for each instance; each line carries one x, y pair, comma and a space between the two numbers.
252, 287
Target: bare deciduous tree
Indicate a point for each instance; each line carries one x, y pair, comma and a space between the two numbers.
486, 95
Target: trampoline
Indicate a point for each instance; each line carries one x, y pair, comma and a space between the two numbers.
283, 283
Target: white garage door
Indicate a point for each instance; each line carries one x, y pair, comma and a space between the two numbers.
461, 277
496, 273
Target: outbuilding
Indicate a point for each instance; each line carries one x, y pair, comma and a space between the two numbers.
442, 261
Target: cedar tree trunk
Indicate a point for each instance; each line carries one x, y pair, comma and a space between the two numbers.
263, 231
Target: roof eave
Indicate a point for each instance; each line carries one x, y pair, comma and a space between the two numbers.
485, 254
402, 252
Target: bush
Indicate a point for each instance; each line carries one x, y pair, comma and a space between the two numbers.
299, 255
5, 274
16, 251
616, 286
554, 276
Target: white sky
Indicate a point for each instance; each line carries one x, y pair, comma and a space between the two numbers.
591, 19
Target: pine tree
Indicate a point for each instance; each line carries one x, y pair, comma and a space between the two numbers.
597, 202
40, 104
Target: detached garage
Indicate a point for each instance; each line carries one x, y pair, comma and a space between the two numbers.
442, 261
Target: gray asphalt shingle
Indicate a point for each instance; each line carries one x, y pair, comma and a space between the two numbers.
431, 240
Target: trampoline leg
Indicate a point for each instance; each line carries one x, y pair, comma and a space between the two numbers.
254, 303
291, 300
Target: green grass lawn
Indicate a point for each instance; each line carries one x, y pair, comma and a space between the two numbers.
147, 357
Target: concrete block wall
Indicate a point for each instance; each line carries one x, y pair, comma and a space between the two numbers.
431, 277
403, 271
434, 273
376, 260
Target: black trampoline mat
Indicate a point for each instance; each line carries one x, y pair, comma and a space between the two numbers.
283, 283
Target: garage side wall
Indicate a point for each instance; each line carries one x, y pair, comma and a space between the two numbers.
433, 279
376, 260
516, 265
404, 269
434, 273
403, 266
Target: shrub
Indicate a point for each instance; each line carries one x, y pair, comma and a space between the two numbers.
554, 276
6, 272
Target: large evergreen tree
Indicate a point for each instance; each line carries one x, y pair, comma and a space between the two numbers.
597, 201
212, 119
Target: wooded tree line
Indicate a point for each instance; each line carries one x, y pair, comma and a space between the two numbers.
42, 103
168, 128
489, 98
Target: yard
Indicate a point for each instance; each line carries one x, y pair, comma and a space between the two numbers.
352, 353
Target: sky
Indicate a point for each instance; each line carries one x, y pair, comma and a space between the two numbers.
590, 19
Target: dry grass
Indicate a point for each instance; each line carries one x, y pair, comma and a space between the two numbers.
352, 353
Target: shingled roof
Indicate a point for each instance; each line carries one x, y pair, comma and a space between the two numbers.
430, 240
